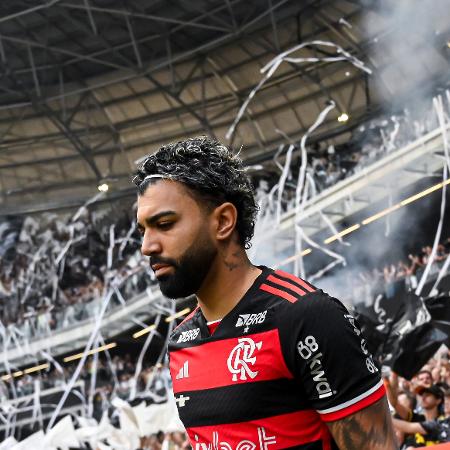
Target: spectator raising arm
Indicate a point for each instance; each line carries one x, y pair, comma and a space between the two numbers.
368, 429
409, 427
392, 395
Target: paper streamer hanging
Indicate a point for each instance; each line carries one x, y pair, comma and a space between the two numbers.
270, 68
439, 107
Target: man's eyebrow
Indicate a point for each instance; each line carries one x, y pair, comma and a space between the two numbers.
151, 220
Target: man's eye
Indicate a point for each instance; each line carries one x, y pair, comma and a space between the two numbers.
141, 231
164, 225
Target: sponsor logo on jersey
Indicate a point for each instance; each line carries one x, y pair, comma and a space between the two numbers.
251, 319
184, 371
181, 400
309, 351
189, 335
241, 359
260, 442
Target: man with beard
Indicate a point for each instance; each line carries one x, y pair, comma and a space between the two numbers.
266, 360
431, 427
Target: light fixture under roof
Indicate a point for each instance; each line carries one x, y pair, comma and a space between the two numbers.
103, 187
343, 117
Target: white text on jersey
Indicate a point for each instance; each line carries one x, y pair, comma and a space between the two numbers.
251, 319
189, 335
307, 350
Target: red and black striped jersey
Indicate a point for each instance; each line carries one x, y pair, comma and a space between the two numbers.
284, 361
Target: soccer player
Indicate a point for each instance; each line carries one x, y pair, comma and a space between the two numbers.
266, 361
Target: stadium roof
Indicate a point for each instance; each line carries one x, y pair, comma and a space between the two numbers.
88, 87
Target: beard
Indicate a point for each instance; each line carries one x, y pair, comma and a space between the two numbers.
190, 270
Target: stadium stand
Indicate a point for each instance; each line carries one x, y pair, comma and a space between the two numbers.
88, 89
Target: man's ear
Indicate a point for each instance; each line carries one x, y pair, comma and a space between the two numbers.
225, 218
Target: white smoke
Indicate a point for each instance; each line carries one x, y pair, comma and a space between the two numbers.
408, 46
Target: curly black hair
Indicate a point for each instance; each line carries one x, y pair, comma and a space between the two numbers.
210, 171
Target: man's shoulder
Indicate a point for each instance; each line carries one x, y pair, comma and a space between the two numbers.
285, 288
297, 302
297, 294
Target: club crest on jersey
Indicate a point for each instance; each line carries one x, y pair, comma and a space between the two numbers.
242, 357
251, 319
189, 335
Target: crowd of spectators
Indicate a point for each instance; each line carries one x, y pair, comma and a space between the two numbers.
114, 377
403, 275
57, 265
328, 164
165, 441
421, 406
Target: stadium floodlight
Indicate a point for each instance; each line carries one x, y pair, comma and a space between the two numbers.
431, 189
341, 233
92, 352
183, 312
292, 258
15, 375
380, 214
104, 187
29, 370
343, 117
37, 368
144, 331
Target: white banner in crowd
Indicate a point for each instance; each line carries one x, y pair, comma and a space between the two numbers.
135, 422
8, 443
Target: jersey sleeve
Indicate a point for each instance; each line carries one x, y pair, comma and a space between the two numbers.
434, 430
328, 356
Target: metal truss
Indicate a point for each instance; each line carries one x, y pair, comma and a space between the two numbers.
59, 61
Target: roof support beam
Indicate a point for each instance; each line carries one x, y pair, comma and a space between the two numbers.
274, 27
180, 57
185, 23
44, 109
91, 17
137, 53
203, 121
78, 56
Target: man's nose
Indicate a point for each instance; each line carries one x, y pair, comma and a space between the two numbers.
150, 245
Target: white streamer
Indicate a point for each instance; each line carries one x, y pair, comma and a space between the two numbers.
301, 192
439, 107
283, 178
273, 65
93, 381
441, 274
88, 347
111, 246
327, 221
37, 410
138, 369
